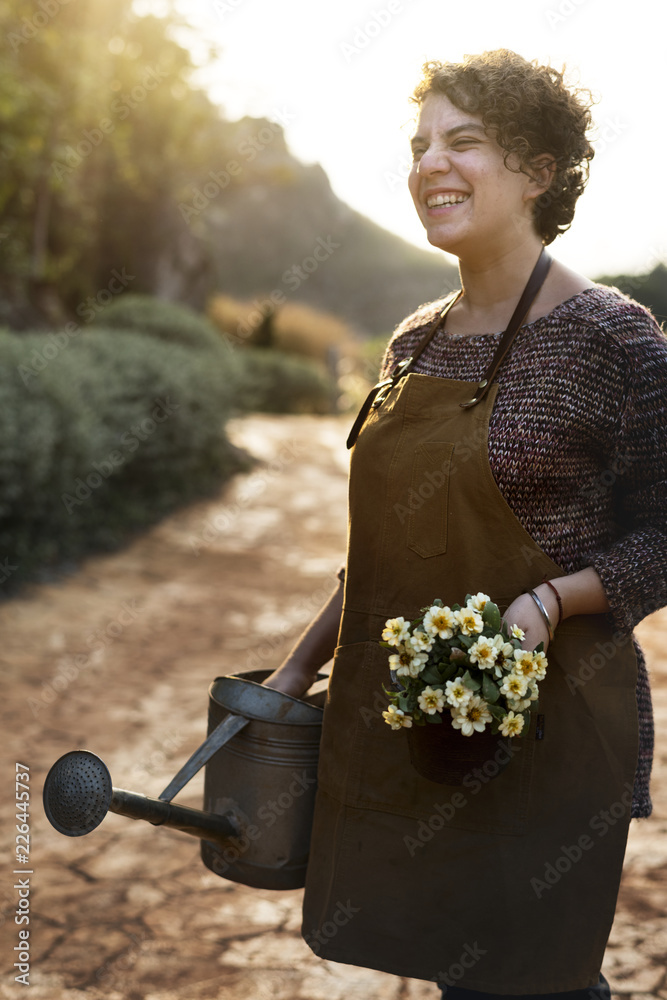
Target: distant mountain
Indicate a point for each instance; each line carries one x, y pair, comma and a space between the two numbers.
277, 227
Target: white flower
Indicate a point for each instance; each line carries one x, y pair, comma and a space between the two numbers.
469, 621
472, 716
512, 724
408, 662
421, 642
396, 631
484, 653
540, 665
478, 602
440, 621
505, 653
396, 718
518, 633
519, 706
431, 701
457, 693
514, 685
532, 692
525, 663
505, 649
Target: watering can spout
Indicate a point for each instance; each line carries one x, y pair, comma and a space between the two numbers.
78, 794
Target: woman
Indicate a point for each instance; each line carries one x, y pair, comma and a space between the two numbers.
540, 480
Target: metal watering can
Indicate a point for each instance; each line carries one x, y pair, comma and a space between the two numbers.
260, 780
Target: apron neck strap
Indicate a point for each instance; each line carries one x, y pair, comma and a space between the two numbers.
379, 392
533, 286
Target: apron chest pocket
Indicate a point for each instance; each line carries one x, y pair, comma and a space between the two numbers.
428, 498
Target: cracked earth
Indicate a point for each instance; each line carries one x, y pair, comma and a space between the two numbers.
129, 912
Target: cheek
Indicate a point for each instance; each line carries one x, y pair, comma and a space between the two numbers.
413, 185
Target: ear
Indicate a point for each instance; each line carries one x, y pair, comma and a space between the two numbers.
541, 171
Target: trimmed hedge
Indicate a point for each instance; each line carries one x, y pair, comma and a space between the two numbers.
103, 436
166, 321
274, 382
105, 430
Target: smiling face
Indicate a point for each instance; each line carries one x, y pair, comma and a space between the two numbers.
465, 196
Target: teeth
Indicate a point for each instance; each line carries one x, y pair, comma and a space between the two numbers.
446, 199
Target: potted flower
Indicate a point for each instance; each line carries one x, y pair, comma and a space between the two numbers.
463, 670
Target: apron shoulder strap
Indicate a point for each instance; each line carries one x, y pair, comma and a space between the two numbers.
379, 392
535, 282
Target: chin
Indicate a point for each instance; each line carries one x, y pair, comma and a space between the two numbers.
442, 242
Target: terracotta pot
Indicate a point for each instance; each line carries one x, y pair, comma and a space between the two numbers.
443, 754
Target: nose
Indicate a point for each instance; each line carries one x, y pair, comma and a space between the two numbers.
434, 160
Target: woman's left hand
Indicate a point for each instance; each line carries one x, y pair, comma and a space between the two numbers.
581, 593
524, 612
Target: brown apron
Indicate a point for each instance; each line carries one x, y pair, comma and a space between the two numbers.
507, 884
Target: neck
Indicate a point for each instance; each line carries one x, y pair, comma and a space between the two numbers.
491, 283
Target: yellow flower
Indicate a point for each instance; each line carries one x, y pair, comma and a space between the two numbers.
431, 701
512, 724
505, 652
421, 642
396, 718
396, 631
478, 602
514, 685
408, 662
484, 653
457, 692
471, 717
524, 663
440, 621
469, 621
540, 665
505, 649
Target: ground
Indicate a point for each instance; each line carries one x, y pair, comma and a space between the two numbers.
129, 911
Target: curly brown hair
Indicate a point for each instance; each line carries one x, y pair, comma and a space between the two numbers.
529, 111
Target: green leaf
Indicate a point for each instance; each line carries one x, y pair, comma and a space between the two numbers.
491, 616
490, 690
430, 674
467, 640
469, 682
434, 718
497, 711
449, 671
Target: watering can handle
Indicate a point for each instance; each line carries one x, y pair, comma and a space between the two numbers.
223, 732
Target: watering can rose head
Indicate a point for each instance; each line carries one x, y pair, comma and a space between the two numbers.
464, 660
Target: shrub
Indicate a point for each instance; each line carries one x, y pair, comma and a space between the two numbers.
297, 328
274, 382
111, 434
165, 320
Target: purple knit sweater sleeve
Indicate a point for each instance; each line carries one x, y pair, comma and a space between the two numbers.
633, 569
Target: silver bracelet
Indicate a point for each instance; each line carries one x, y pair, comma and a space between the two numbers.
544, 613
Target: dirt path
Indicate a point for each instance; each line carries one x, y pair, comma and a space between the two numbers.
118, 659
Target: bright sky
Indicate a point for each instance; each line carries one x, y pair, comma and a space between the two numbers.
340, 73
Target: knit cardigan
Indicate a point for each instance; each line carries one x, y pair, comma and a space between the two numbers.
578, 448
